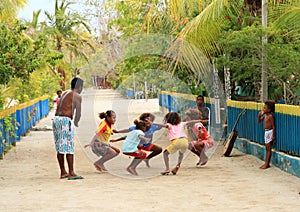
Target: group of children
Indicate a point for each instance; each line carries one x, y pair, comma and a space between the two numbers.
189, 134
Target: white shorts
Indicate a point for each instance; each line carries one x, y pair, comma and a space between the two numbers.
268, 136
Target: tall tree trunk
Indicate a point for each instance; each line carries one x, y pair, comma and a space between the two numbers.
264, 74
58, 43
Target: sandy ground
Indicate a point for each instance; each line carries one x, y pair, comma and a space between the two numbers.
29, 174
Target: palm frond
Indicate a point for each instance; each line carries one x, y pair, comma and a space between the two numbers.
201, 36
289, 21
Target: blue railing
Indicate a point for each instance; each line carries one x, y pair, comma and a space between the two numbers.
287, 119
127, 92
22, 117
178, 102
287, 122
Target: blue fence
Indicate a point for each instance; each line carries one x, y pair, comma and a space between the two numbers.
287, 119
287, 122
16, 121
129, 93
178, 102
251, 134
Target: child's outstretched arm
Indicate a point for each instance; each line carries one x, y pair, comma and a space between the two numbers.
93, 139
161, 125
144, 138
118, 139
121, 131
193, 121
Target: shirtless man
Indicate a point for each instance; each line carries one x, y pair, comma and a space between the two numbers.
204, 111
63, 128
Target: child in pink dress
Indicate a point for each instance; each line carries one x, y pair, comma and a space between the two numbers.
177, 137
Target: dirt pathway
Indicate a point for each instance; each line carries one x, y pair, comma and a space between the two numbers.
29, 174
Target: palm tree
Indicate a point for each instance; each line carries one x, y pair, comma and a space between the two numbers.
33, 26
70, 33
67, 29
286, 16
9, 8
203, 30
200, 23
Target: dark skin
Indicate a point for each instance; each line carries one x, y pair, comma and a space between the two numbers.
166, 153
200, 102
70, 101
112, 152
135, 162
199, 145
269, 123
155, 149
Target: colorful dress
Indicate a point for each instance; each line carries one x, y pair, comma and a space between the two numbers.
101, 146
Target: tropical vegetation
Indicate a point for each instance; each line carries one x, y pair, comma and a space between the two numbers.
229, 33
40, 56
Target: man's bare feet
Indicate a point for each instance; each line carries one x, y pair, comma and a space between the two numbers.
147, 162
63, 176
77, 177
264, 166
132, 171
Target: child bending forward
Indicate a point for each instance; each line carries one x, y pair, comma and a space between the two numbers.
99, 142
132, 146
202, 144
177, 137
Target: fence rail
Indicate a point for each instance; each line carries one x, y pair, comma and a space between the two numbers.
129, 93
287, 122
287, 119
17, 120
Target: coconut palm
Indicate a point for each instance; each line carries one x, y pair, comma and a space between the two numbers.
200, 24
33, 26
285, 16
9, 8
204, 30
69, 33
67, 29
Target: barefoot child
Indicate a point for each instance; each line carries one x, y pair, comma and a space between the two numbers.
99, 142
202, 144
177, 137
132, 146
267, 116
201, 140
155, 150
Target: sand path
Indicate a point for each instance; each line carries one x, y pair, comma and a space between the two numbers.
29, 174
